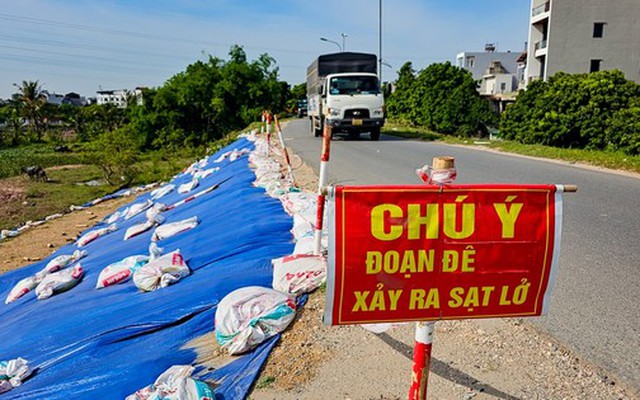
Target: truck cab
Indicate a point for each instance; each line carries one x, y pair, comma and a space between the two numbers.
354, 103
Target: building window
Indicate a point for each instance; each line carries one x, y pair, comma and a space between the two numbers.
503, 87
470, 62
598, 29
595, 65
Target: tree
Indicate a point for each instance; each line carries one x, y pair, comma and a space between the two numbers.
575, 111
208, 100
116, 152
399, 103
13, 133
31, 104
442, 97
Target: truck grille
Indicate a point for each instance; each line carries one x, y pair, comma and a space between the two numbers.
357, 113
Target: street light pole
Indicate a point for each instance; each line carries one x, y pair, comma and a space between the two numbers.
344, 45
380, 41
332, 41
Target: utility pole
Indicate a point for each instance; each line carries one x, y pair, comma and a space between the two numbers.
380, 41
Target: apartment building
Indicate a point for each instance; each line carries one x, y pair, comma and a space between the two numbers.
580, 36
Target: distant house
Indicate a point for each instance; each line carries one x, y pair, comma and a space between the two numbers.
74, 99
118, 97
499, 74
53, 98
496, 72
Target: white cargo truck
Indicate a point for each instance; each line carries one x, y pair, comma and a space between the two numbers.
343, 91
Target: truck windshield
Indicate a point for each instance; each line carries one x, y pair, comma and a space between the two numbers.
354, 85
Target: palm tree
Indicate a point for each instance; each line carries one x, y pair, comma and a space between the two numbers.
32, 101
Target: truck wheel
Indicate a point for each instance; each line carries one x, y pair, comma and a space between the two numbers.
375, 133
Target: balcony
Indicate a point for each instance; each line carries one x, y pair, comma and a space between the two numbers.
541, 45
540, 13
543, 8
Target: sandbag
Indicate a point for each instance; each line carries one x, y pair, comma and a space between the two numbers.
93, 235
161, 272
23, 287
167, 230
162, 191
297, 274
13, 373
115, 216
248, 316
120, 271
62, 261
59, 282
302, 226
175, 384
137, 209
153, 219
189, 186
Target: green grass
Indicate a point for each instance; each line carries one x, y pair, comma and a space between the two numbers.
13, 159
46, 198
605, 159
266, 382
41, 199
397, 129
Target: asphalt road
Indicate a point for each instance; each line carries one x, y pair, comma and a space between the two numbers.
595, 308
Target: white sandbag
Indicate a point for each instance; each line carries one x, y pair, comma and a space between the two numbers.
138, 229
189, 186
53, 216
167, 230
300, 202
59, 282
13, 373
161, 272
201, 174
23, 287
175, 383
115, 216
137, 209
5, 233
297, 274
248, 316
162, 191
62, 261
120, 271
302, 227
93, 235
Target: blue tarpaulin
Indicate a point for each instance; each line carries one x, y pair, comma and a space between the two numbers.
105, 344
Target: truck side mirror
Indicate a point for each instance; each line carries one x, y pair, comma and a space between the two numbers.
320, 89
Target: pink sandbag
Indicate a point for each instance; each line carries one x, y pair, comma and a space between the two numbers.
59, 282
120, 271
300, 273
93, 235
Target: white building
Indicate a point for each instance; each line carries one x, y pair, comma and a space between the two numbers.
118, 97
580, 36
497, 72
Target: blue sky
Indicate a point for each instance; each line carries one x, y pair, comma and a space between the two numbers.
85, 45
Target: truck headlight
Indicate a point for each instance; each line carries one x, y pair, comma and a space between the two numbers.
334, 112
378, 112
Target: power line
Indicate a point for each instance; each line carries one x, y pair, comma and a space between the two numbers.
91, 58
86, 28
